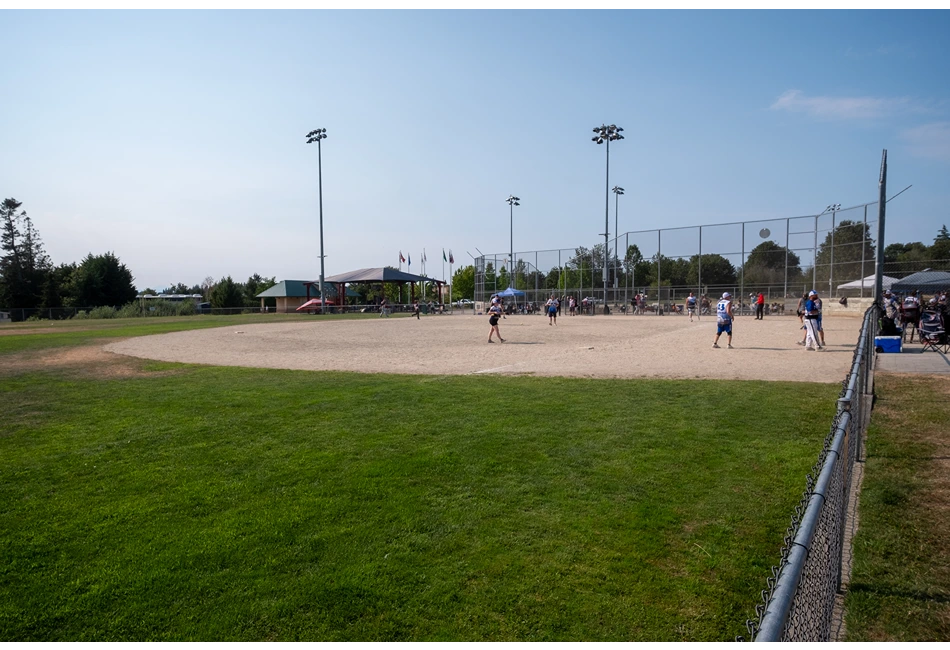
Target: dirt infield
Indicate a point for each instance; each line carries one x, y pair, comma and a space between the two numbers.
583, 346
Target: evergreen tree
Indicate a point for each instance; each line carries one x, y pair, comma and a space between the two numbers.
24, 265
181, 288
57, 288
254, 285
101, 280
227, 294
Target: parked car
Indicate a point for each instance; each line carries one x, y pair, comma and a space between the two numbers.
464, 302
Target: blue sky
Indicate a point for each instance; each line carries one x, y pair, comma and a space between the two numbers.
176, 139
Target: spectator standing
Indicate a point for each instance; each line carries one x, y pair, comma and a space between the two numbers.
760, 306
910, 314
724, 320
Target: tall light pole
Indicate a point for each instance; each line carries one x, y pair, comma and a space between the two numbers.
618, 191
512, 202
834, 207
814, 267
316, 136
604, 134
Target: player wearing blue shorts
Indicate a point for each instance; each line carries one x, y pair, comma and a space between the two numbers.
724, 320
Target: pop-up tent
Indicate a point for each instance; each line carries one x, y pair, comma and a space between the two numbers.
926, 281
511, 292
867, 283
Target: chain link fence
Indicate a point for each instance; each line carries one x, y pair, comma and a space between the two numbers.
781, 258
799, 603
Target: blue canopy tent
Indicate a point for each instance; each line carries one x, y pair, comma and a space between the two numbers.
511, 292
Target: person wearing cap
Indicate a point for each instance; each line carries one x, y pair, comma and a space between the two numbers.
818, 327
889, 318
811, 318
724, 320
890, 305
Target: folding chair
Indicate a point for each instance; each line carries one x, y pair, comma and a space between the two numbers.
932, 332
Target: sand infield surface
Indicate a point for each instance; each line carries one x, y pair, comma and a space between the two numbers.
613, 346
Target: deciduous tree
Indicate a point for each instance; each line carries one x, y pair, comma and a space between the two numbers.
716, 270
766, 264
463, 282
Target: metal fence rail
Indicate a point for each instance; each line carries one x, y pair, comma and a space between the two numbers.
799, 602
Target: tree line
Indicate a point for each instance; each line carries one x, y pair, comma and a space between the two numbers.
29, 280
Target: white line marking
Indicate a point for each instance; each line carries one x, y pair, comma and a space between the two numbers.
499, 369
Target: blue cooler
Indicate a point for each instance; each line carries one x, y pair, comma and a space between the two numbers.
887, 344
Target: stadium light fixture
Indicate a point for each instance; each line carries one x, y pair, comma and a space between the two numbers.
607, 134
316, 136
512, 202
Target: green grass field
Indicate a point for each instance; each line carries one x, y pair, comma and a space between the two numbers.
150, 501
900, 586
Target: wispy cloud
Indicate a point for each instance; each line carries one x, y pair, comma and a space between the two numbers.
929, 140
845, 108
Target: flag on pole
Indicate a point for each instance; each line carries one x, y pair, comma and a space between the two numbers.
423, 256
444, 258
451, 259
410, 260
401, 258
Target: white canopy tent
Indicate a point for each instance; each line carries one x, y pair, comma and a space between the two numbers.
867, 283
